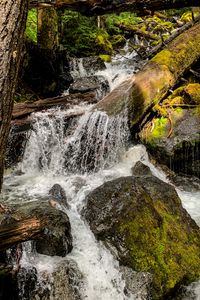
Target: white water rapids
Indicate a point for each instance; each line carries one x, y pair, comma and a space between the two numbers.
80, 155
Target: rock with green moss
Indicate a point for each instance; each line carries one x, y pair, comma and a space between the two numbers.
174, 139
142, 218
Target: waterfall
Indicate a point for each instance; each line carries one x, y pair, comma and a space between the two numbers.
92, 142
80, 154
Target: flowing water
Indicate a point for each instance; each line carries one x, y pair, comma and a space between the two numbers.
80, 154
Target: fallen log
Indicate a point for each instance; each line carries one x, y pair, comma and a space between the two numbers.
22, 110
39, 221
149, 86
135, 30
99, 7
163, 44
19, 231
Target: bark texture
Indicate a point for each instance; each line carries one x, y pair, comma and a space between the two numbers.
98, 7
12, 25
48, 28
149, 86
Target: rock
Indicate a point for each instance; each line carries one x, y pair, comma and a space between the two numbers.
64, 283
141, 169
86, 66
142, 217
58, 194
180, 150
186, 183
190, 292
97, 84
53, 235
15, 146
137, 283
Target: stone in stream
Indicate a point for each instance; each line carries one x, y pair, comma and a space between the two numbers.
136, 283
63, 283
142, 218
174, 140
58, 194
97, 84
53, 236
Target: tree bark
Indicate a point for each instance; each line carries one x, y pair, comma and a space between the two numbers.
100, 7
48, 28
19, 231
12, 25
149, 86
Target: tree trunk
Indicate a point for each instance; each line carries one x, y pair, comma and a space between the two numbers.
99, 7
48, 28
12, 25
149, 86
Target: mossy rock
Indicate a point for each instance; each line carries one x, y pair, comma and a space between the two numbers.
192, 91
143, 219
174, 139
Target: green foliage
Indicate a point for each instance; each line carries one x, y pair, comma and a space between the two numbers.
82, 37
79, 33
31, 25
125, 17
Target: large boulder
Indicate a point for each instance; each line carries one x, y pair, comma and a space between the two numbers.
142, 220
174, 140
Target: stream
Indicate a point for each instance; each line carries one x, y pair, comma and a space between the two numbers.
81, 155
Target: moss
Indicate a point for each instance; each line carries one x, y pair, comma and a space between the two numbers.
103, 43
181, 53
105, 57
31, 26
164, 249
187, 16
160, 128
192, 91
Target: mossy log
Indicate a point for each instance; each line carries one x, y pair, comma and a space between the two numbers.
100, 7
149, 86
135, 30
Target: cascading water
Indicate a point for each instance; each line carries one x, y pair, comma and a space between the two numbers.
90, 143
80, 154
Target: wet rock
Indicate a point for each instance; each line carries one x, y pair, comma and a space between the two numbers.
137, 283
97, 84
93, 64
16, 146
186, 183
53, 234
140, 169
190, 292
142, 217
86, 66
58, 194
8, 284
64, 283
180, 150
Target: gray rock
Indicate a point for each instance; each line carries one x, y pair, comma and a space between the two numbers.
58, 194
97, 84
140, 169
64, 283
137, 283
